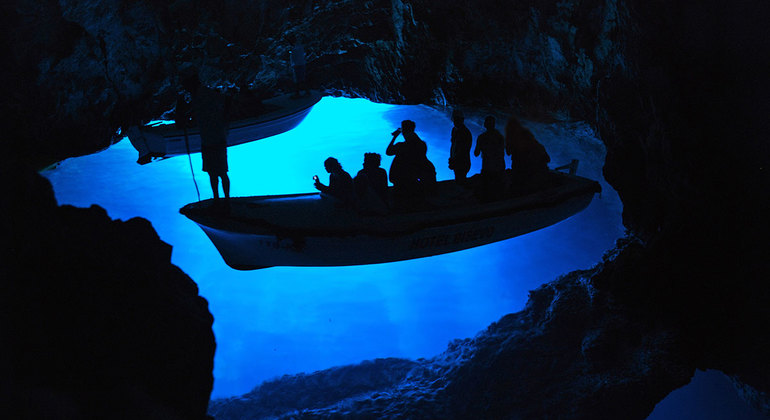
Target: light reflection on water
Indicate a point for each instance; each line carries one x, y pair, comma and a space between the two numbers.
286, 320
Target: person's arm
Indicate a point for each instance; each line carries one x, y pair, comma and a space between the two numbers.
318, 185
478, 143
391, 149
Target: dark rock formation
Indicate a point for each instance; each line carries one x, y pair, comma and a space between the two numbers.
316, 391
572, 353
96, 322
678, 91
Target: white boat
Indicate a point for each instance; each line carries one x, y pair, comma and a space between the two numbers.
309, 230
162, 138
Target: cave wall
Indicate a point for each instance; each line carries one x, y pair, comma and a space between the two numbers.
91, 67
677, 90
96, 322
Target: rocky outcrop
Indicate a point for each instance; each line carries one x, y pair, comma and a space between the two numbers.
96, 322
572, 353
315, 392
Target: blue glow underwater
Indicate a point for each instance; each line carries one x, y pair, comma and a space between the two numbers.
286, 320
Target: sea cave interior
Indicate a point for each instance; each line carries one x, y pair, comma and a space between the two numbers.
648, 304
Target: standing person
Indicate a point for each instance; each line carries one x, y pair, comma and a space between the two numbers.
209, 110
529, 159
460, 150
298, 64
491, 145
371, 185
340, 183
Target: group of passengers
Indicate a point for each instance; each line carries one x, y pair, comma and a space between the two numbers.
414, 177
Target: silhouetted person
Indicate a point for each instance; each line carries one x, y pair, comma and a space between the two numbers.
411, 171
340, 183
209, 112
491, 145
529, 159
299, 65
460, 150
371, 184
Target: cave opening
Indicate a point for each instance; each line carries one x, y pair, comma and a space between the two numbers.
287, 320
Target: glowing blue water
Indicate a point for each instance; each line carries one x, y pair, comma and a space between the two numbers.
286, 320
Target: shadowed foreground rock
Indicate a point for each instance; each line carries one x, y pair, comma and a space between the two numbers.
571, 353
96, 322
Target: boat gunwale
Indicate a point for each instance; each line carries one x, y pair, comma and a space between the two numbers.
172, 130
259, 226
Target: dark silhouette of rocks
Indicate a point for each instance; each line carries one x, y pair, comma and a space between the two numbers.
96, 322
315, 391
680, 100
570, 347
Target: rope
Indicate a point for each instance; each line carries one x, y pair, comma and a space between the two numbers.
189, 159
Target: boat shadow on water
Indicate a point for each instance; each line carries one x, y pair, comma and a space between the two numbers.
309, 230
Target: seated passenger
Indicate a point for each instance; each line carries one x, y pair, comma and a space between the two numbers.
411, 171
340, 183
371, 184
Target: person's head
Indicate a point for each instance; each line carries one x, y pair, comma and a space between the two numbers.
512, 127
332, 165
372, 160
189, 80
489, 122
457, 117
408, 126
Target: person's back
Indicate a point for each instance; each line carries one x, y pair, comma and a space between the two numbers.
371, 187
341, 186
209, 111
372, 180
529, 159
460, 150
528, 156
491, 145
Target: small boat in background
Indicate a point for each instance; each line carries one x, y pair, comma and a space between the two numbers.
309, 230
163, 138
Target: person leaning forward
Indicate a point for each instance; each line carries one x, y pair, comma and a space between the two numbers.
340, 186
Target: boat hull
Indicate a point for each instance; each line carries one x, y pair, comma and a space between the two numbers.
165, 141
248, 251
251, 239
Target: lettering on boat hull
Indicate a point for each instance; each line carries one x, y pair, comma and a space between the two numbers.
436, 241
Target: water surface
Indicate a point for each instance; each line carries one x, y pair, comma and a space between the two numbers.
285, 320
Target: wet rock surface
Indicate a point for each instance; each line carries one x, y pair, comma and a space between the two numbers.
676, 90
